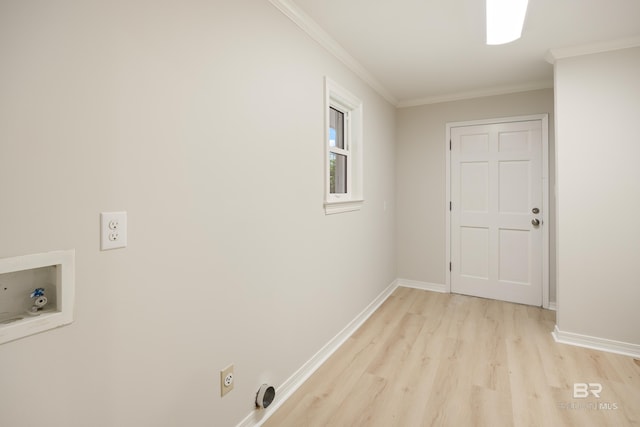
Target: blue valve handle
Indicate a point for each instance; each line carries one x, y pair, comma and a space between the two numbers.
38, 292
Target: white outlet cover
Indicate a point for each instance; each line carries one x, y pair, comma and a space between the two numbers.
113, 230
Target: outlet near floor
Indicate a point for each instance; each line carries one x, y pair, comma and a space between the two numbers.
226, 380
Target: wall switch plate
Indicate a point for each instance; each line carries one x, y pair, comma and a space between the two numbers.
113, 230
226, 380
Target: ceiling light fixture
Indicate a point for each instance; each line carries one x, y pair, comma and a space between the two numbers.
505, 19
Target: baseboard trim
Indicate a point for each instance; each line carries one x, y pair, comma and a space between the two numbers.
425, 286
257, 417
595, 343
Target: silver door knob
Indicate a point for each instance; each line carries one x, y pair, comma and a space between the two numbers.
535, 222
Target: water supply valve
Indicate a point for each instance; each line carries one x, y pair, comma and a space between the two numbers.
39, 301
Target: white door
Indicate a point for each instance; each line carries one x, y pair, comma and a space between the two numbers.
496, 202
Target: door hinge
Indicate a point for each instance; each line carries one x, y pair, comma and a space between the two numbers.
450, 206
449, 266
449, 145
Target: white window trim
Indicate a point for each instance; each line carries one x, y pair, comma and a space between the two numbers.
342, 100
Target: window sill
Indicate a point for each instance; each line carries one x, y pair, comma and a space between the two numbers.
340, 206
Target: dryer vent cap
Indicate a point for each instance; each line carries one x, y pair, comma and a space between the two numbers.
265, 396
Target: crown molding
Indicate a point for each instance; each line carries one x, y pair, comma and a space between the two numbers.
308, 25
480, 93
587, 49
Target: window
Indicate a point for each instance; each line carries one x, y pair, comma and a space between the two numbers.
339, 155
343, 180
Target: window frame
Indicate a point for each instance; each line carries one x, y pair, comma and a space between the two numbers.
340, 99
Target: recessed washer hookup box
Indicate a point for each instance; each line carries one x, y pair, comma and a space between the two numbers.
36, 293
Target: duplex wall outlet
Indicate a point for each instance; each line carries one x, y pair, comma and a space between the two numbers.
226, 380
113, 230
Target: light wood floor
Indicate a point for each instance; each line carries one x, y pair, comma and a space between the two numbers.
430, 359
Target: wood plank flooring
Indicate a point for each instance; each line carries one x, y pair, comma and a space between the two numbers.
430, 359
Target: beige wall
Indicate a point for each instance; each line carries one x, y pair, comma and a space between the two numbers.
597, 106
421, 176
204, 121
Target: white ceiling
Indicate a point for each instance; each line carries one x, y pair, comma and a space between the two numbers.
422, 51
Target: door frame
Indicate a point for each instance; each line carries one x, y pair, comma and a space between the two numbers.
544, 118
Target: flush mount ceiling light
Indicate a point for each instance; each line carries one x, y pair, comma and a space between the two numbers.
505, 19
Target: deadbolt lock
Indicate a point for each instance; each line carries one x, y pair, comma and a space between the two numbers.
535, 210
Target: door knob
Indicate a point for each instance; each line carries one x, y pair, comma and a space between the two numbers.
535, 222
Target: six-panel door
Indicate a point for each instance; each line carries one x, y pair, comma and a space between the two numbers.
496, 186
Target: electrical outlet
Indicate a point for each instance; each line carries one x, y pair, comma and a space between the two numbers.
113, 230
226, 380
